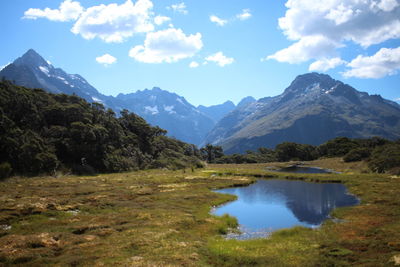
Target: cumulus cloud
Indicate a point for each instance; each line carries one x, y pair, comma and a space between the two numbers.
168, 45
385, 62
193, 64
244, 15
67, 11
180, 8
113, 22
326, 64
307, 48
220, 59
106, 59
218, 21
388, 5
159, 20
365, 23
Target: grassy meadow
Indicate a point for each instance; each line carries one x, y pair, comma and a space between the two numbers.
162, 218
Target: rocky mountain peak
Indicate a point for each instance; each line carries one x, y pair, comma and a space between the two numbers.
32, 59
312, 81
245, 101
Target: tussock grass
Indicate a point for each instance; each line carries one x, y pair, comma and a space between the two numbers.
162, 218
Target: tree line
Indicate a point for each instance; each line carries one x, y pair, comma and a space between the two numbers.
44, 133
381, 155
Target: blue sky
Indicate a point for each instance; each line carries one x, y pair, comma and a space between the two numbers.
210, 51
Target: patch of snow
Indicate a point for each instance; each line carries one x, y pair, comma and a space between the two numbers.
60, 78
180, 100
95, 99
153, 97
75, 77
152, 110
331, 90
45, 70
170, 109
312, 87
2, 67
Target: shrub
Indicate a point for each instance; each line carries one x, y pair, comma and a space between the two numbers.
337, 147
385, 158
357, 154
5, 170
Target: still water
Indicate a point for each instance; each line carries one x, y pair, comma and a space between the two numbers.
269, 205
299, 169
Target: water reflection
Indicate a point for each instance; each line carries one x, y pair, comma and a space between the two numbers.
276, 204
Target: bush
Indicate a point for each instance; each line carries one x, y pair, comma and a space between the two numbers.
357, 154
5, 170
385, 158
292, 151
337, 147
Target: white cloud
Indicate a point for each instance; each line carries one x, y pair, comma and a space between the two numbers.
363, 22
326, 64
168, 45
193, 64
106, 59
340, 14
113, 22
307, 48
220, 59
218, 21
388, 5
180, 8
159, 20
67, 11
244, 15
385, 62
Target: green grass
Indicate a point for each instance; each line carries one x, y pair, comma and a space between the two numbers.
162, 218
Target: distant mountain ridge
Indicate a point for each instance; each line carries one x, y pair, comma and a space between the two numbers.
169, 111
312, 110
159, 107
217, 112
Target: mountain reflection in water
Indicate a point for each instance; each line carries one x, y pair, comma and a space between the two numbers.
276, 204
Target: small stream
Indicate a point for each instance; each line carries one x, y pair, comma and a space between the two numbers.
270, 205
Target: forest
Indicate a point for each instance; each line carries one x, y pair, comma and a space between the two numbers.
43, 133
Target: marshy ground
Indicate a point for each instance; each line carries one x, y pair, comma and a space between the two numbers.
161, 218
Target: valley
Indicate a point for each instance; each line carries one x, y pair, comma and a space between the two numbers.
209, 133
311, 110
162, 218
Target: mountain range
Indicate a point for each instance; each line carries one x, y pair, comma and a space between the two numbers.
312, 110
167, 110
